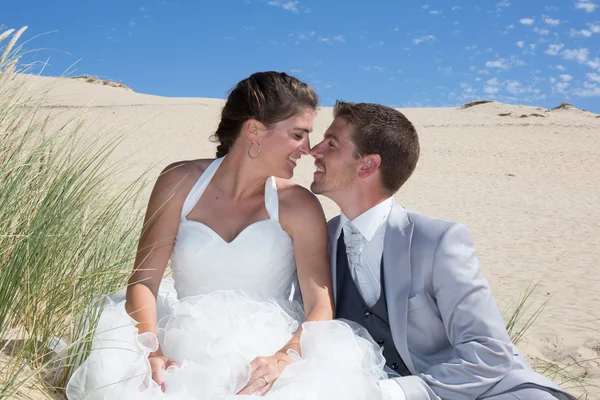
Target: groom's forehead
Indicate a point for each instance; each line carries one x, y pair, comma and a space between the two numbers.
339, 129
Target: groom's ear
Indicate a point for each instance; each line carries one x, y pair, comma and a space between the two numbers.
369, 164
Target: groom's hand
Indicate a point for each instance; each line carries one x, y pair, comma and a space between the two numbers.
265, 370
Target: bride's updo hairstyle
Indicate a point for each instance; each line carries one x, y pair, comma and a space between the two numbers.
268, 97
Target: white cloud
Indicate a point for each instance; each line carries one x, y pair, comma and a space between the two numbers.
425, 6
491, 90
467, 89
594, 28
554, 49
552, 22
501, 64
566, 78
515, 61
455, 8
436, 12
514, 87
471, 47
424, 39
581, 33
338, 39
287, 5
591, 90
560, 68
586, 5
527, 21
580, 55
594, 77
447, 70
560, 87
594, 63
372, 68
544, 32
503, 4
521, 44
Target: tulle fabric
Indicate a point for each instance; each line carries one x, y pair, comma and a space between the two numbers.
213, 338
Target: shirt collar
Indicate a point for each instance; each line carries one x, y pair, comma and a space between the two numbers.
368, 222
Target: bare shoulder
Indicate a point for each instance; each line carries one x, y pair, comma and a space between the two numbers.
298, 205
178, 178
292, 195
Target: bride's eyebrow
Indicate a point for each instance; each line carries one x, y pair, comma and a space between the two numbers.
303, 130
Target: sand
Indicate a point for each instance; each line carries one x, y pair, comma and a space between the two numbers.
525, 180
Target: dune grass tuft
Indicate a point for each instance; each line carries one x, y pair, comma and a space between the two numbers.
66, 234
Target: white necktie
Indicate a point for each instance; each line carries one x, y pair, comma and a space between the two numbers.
354, 247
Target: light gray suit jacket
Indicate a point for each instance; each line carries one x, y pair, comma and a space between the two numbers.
445, 322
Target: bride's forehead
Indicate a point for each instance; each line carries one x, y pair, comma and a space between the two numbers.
301, 122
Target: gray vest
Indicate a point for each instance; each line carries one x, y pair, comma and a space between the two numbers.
350, 305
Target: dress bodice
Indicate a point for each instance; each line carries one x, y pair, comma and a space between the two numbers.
259, 261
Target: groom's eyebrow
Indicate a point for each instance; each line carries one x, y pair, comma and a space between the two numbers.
330, 135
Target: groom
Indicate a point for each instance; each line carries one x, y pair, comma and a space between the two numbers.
412, 281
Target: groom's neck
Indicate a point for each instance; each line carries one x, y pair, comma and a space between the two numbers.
360, 201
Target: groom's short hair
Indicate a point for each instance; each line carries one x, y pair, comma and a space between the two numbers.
382, 130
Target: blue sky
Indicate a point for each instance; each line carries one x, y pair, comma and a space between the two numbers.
399, 53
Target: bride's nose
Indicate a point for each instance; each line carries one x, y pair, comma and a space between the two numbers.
305, 147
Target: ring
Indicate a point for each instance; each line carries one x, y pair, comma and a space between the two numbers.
266, 381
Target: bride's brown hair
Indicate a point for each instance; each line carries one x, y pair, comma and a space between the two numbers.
268, 97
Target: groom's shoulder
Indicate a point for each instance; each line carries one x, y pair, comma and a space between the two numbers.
333, 222
431, 226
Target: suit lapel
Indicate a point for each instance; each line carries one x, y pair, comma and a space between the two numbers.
332, 228
397, 270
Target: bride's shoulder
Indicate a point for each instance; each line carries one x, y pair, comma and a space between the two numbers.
179, 177
186, 168
296, 199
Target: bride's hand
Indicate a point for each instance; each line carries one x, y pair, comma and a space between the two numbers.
265, 370
158, 364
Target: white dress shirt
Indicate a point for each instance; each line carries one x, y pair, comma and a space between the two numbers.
367, 271
371, 225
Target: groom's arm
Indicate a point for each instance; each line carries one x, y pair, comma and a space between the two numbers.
482, 352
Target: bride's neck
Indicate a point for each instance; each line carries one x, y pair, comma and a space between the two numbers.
239, 177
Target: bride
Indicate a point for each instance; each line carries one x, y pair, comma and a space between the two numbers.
249, 308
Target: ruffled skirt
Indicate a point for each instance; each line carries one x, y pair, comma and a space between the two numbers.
213, 338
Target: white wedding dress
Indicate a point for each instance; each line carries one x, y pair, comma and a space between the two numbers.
228, 302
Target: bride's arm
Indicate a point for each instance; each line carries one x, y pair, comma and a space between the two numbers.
301, 215
155, 245
303, 218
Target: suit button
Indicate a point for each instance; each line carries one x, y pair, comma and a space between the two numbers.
368, 314
380, 342
395, 366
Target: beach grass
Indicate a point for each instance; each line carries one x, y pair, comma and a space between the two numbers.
66, 234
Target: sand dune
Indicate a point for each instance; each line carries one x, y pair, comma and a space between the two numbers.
526, 180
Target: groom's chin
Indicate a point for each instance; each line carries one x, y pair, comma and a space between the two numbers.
314, 187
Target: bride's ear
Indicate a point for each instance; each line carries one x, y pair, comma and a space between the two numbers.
369, 164
252, 129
